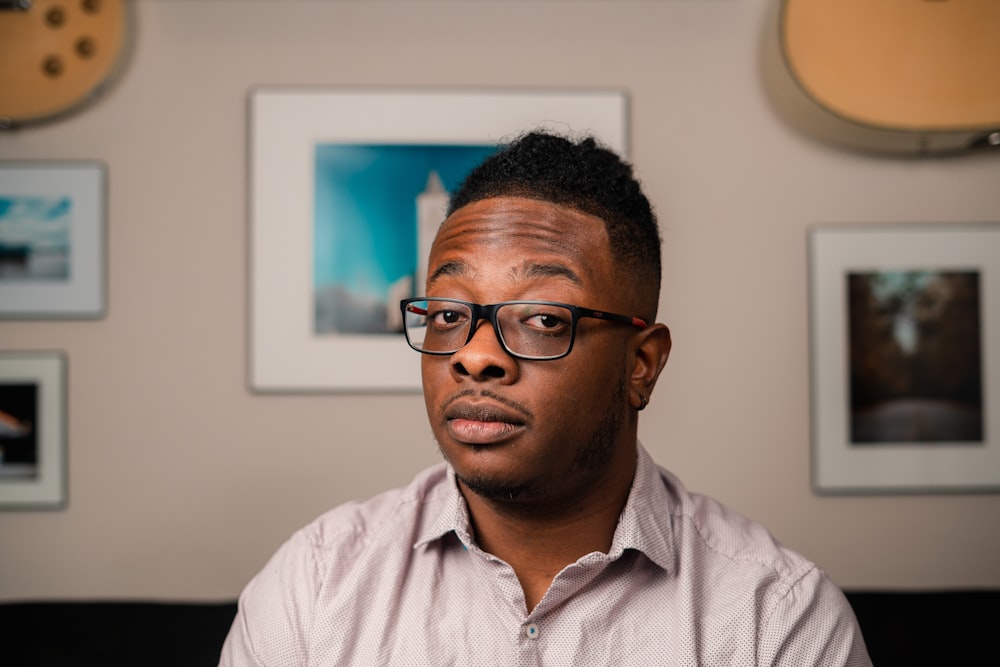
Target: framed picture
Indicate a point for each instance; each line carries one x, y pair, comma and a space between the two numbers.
32, 430
347, 189
52, 240
905, 329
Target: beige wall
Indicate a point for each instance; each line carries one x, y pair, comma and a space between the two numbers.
182, 482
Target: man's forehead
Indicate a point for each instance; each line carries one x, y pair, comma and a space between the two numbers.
525, 239
519, 219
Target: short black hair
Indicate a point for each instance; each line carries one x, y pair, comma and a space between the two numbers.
583, 175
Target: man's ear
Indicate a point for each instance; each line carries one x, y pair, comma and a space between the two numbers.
651, 348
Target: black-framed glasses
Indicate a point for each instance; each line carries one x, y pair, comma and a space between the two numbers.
538, 330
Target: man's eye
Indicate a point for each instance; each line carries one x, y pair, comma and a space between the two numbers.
547, 322
446, 317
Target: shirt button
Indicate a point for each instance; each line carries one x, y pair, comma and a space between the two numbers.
531, 631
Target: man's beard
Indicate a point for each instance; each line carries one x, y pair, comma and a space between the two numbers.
592, 461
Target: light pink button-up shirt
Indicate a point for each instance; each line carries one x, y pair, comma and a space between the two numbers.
399, 580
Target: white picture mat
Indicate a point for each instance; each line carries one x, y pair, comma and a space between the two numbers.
836, 251
285, 126
83, 294
48, 371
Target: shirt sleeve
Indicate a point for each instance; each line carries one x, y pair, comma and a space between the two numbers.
274, 610
812, 624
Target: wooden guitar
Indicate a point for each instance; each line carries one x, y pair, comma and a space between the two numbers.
919, 73
55, 55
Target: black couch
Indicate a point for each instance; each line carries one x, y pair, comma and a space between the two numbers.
901, 628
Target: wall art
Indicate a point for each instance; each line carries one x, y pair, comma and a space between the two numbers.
32, 430
52, 245
905, 328
347, 188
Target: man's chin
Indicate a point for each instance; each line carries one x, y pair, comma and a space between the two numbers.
484, 472
495, 489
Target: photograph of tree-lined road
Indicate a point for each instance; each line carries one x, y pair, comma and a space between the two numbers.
915, 357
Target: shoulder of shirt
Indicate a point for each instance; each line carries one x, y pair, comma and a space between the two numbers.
392, 513
725, 533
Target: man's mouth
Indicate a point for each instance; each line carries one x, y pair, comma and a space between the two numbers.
482, 424
480, 432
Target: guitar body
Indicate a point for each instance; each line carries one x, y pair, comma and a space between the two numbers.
918, 75
55, 55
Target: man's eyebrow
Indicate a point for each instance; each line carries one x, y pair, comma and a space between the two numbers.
550, 270
528, 270
447, 269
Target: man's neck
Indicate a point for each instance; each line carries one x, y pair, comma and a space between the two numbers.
538, 545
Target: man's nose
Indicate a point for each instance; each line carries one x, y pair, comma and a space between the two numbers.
484, 356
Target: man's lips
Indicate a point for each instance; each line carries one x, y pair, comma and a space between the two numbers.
481, 424
481, 432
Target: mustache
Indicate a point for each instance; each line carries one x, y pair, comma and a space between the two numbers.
486, 414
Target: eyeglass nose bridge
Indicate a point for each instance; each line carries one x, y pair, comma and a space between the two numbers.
488, 313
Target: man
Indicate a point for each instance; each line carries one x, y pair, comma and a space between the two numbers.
548, 536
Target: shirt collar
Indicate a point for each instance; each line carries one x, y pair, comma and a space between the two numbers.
453, 515
644, 524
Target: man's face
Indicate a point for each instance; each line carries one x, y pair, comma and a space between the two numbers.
542, 433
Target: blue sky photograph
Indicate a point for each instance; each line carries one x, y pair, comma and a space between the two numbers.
39, 222
365, 225
35, 237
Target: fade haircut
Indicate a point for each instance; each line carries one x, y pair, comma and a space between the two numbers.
585, 176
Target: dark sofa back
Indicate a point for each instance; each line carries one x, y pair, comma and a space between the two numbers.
934, 628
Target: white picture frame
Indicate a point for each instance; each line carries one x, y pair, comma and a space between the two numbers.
905, 367
286, 127
52, 240
32, 430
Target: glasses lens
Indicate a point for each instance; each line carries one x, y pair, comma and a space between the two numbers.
537, 330
437, 326
531, 330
